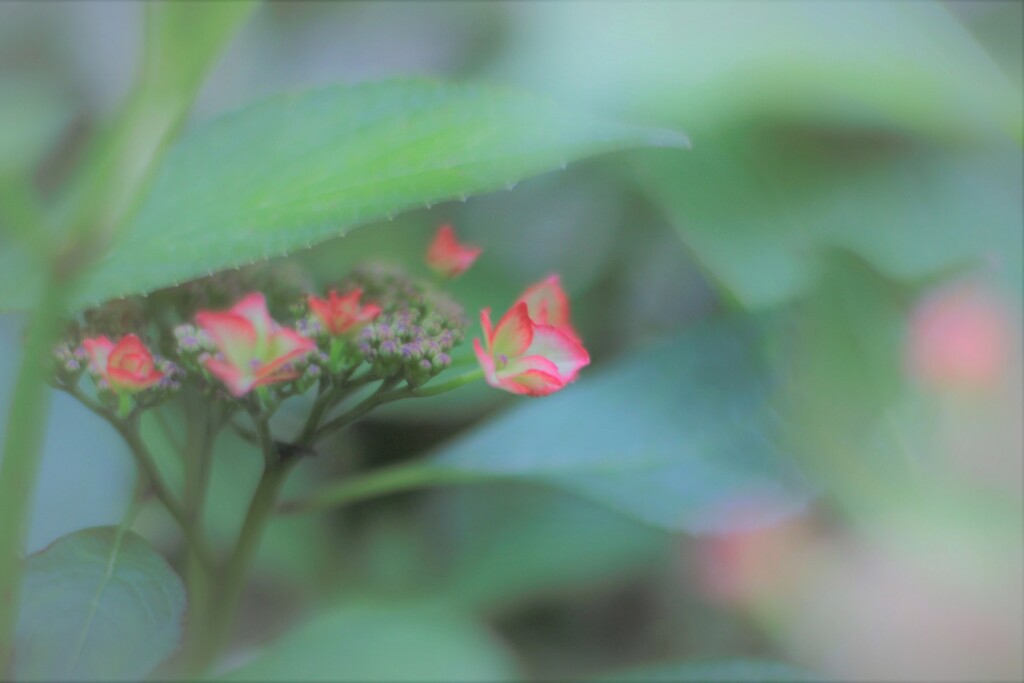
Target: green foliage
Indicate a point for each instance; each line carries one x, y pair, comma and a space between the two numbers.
709, 439
515, 543
32, 115
183, 39
380, 641
756, 223
732, 670
297, 169
98, 604
908, 65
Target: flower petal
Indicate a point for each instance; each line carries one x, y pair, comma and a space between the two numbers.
527, 363
233, 334
514, 333
286, 345
238, 382
253, 308
558, 347
532, 383
447, 257
98, 350
485, 324
130, 348
487, 363
548, 304
128, 381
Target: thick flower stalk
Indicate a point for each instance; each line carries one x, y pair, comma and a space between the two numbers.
252, 350
448, 257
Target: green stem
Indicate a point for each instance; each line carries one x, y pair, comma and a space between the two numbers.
454, 383
232, 581
197, 457
19, 468
21, 214
383, 482
379, 397
129, 431
385, 395
144, 460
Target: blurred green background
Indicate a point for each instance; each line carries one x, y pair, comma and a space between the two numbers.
816, 312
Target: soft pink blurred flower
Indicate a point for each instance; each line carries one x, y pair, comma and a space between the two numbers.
959, 338
341, 314
548, 304
524, 357
253, 349
127, 366
447, 257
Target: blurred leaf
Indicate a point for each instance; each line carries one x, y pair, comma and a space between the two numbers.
32, 115
184, 38
733, 670
846, 340
705, 65
676, 436
99, 604
756, 205
297, 169
367, 641
515, 542
681, 436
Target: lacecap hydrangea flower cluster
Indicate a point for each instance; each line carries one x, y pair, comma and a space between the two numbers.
258, 336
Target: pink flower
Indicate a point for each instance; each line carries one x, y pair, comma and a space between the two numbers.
547, 304
127, 366
525, 357
342, 314
960, 337
447, 257
253, 349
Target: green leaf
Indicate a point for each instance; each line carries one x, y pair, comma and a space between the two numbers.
32, 116
97, 604
909, 65
756, 205
681, 436
675, 436
298, 169
732, 670
371, 641
515, 542
184, 38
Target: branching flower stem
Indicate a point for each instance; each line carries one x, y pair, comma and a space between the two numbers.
277, 466
129, 431
384, 395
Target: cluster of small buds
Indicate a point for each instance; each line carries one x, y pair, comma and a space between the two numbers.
388, 286
193, 348
410, 345
69, 362
192, 343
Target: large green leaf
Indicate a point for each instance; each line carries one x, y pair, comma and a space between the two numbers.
756, 205
298, 169
682, 436
99, 604
906, 64
514, 542
374, 641
731, 670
